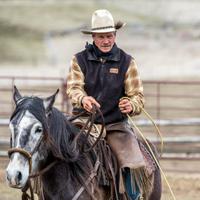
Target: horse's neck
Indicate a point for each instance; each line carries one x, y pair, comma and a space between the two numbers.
57, 182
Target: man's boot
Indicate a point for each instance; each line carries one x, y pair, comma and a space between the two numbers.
133, 193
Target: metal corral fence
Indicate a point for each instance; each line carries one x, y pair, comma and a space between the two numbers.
173, 104
40, 86
173, 99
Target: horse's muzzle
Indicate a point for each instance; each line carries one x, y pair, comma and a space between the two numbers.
14, 180
17, 172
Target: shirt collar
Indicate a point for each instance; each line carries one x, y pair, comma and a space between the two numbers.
94, 53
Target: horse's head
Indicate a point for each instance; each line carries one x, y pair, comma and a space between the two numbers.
28, 125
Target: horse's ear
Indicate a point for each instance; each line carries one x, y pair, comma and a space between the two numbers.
49, 101
16, 95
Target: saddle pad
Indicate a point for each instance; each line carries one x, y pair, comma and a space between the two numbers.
148, 158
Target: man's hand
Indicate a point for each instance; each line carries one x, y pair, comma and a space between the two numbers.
87, 102
125, 106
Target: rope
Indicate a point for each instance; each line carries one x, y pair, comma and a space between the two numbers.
149, 117
151, 151
156, 127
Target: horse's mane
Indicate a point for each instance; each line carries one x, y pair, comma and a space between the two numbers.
61, 136
68, 148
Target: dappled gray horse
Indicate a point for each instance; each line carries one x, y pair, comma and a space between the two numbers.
45, 143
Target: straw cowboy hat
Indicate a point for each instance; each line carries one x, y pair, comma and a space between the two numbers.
102, 22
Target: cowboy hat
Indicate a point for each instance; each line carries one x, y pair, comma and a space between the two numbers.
102, 22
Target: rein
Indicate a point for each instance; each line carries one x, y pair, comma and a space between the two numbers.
90, 120
92, 175
94, 110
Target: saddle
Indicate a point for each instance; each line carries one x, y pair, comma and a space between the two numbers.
109, 173
108, 169
150, 164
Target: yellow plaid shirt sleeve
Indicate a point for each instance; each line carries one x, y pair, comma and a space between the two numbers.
134, 88
75, 84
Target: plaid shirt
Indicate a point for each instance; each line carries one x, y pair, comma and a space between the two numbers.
132, 84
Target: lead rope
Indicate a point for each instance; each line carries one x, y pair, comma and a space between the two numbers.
151, 151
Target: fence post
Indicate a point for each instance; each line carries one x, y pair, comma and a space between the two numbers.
158, 101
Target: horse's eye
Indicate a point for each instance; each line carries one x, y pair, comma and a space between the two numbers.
38, 130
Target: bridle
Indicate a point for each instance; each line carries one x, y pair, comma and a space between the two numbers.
25, 153
28, 155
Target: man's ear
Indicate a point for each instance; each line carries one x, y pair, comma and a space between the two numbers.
16, 95
49, 101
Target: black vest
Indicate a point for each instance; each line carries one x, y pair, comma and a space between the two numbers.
104, 80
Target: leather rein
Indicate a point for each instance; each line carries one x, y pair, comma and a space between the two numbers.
28, 155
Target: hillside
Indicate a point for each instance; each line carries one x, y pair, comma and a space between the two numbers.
164, 37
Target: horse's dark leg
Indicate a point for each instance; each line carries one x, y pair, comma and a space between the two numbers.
157, 186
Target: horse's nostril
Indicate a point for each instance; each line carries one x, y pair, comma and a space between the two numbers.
18, 176
8, 177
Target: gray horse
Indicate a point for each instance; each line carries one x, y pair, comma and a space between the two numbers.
44, 142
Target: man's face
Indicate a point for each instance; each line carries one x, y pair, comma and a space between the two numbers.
104, 41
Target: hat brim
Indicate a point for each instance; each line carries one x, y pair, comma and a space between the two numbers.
118, 25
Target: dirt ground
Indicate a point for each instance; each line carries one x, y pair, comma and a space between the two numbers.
185, 184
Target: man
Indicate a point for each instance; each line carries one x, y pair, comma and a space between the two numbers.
106, 76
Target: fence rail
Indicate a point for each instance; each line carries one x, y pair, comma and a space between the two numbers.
181, 155
154, 90
30, 85
173, 104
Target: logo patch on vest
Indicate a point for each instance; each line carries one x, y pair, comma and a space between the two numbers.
114, 70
